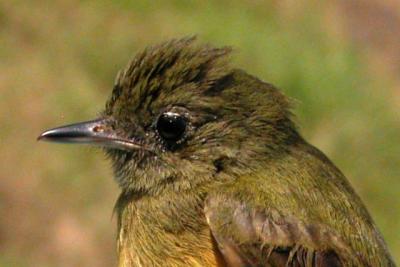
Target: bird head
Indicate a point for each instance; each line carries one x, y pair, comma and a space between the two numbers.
180, 116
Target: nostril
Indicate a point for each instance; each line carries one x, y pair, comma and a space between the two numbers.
98, 129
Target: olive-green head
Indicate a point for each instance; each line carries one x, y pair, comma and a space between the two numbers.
180, 116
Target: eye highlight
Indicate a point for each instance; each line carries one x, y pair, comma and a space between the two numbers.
171, 126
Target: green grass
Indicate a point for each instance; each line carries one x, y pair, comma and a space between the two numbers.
58, 65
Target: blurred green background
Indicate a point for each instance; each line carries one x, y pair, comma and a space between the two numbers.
339, 59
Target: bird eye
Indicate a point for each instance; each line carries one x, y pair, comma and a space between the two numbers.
171, 126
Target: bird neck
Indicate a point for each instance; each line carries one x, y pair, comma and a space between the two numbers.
153, 228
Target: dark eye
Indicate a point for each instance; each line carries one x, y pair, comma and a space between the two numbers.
171, 126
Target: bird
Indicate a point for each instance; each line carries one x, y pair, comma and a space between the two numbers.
213, 170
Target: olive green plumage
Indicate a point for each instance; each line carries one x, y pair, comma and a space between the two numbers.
222, 176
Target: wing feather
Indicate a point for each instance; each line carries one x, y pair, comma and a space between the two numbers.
260, 237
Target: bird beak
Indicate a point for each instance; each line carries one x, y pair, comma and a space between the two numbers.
95, 132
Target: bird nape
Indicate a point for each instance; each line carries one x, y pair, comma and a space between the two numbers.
213, 171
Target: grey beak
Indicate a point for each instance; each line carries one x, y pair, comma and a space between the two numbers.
95, 132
